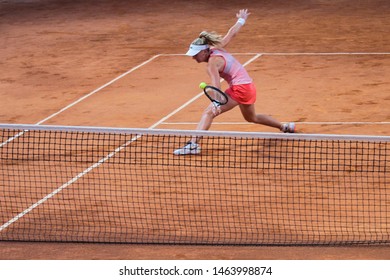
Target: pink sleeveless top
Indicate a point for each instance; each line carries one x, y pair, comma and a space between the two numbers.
233, 72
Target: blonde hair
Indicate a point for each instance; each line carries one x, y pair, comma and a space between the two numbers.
208, 38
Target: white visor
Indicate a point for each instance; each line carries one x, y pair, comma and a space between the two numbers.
195, 49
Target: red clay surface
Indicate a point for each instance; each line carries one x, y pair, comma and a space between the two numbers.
55, 52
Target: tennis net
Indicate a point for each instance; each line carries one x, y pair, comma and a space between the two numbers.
84, 184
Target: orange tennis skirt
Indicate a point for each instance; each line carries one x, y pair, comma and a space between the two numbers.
243, 94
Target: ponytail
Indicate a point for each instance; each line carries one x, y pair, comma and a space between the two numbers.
208, 38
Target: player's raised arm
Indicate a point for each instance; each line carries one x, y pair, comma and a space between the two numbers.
242, 16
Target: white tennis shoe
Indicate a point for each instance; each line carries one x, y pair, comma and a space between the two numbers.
288, 127
189, 149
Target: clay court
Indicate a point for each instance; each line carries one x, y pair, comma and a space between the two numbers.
322, 64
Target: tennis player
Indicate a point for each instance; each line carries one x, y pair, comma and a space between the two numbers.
209, 48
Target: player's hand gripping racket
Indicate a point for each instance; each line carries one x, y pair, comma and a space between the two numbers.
215, 95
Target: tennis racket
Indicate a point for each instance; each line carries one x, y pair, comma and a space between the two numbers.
215, 95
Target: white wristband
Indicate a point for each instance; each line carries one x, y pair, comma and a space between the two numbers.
241, 21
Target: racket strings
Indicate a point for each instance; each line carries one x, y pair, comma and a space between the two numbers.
217, 97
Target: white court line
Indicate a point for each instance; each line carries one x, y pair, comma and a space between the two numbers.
81, 174
300, 53
100, 162
325, 53
195, 98
82, 98
98, 89
12, 138
71, 181
304, 123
